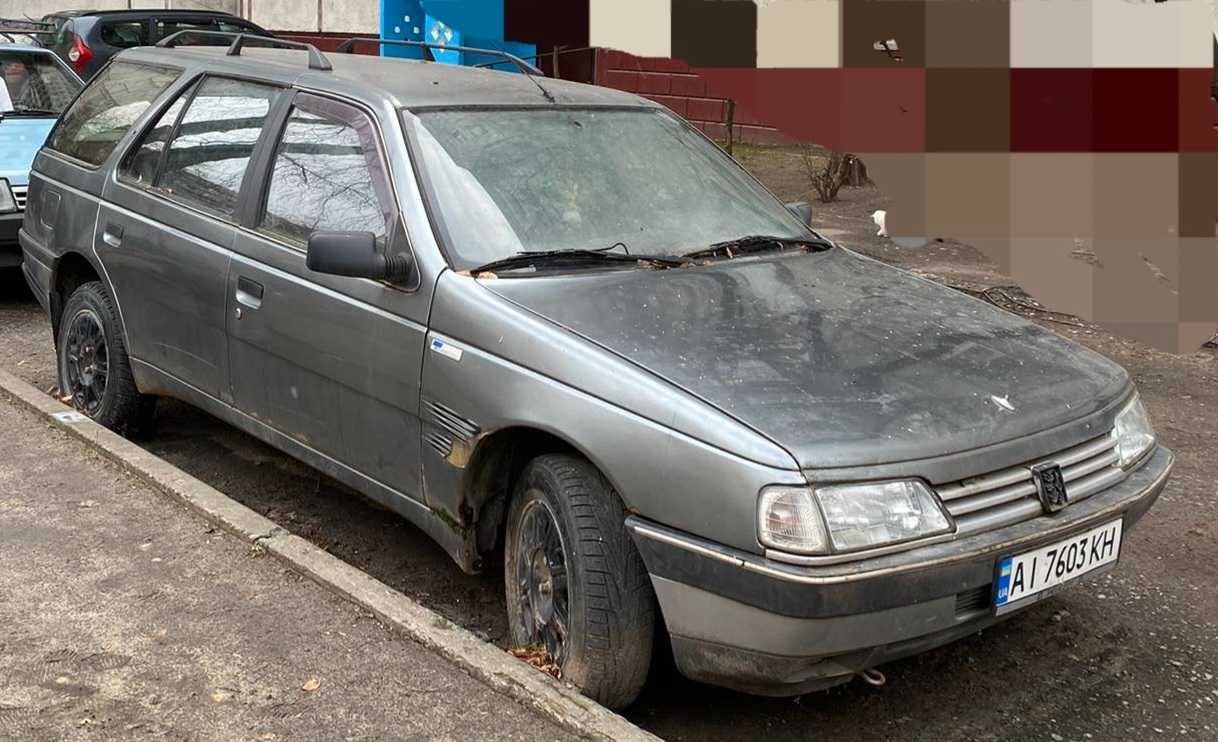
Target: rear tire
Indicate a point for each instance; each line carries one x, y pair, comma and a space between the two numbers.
575, 582
93, 365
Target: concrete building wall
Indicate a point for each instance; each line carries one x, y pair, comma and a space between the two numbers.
39, 8
283, 15
354, 16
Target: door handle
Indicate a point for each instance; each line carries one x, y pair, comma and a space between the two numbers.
112, 235
249, 292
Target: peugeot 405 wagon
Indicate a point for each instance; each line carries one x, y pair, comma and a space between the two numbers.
562, 332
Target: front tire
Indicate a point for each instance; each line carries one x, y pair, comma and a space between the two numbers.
93, 366
575, 582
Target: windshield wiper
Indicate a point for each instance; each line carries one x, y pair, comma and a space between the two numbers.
758, 243
552, 258
29, 112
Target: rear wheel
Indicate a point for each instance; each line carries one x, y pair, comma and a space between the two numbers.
575, 583
93, 366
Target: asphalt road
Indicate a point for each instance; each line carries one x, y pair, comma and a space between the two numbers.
1132, 654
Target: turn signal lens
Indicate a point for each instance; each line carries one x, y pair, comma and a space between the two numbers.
788, 520
8, 204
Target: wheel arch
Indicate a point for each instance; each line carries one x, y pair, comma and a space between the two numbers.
494, 467
71, 271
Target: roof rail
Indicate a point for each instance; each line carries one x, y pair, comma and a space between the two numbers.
317, 60
28, 24
26, 31
528, 69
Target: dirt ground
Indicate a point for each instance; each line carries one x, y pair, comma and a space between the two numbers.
1132, 654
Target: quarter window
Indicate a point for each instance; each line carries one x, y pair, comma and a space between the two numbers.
140, 164
101, 116
327, 174
211, 150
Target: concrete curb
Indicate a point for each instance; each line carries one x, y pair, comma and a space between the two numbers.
535, 690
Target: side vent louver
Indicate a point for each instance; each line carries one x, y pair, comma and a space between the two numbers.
445, 426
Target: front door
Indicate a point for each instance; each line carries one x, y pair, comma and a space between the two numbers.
332, 362
167, 224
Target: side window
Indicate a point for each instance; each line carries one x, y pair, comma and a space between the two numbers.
140, 164
63, 30
208, 156
327, 174
170, 27
124, 34
112, 102
173, 25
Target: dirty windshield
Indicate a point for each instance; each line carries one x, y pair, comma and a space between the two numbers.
508, 181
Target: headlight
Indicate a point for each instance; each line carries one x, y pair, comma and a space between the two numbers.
1134, 434
851, 517
7, 202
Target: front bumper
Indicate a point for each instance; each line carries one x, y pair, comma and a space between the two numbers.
10, 248
748, 623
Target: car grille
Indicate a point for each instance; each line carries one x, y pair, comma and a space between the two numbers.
1008, 496
19, 196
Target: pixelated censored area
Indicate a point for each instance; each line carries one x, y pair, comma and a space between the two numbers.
1072, 140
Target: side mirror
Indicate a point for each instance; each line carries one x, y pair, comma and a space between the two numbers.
802, 211
354, 254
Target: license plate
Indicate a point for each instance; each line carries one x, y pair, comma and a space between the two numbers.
1023, 578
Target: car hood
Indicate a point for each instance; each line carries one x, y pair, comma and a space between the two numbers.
20, 140
838, 358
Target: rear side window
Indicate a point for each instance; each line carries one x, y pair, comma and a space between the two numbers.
210, 152
124, 34
101, 116
170, 27
327, 174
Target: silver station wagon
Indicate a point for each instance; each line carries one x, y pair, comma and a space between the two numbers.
562, 332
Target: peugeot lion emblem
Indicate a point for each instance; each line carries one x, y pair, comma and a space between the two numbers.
1050, 486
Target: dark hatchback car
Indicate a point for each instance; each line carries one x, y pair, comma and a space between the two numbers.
562, 332
86, 39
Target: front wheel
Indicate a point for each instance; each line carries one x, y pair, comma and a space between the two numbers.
575, 583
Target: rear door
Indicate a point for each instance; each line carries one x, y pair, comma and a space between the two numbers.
166, 227
330, 361
70, 173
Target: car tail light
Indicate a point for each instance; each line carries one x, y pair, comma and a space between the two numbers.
80, 54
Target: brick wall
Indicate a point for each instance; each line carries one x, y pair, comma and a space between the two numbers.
328, 42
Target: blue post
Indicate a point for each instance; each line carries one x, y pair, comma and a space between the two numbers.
478, 23
402, 19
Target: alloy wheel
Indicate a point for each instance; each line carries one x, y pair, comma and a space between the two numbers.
542, 580
86, 362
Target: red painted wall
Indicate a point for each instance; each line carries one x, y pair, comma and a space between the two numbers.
700, 96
